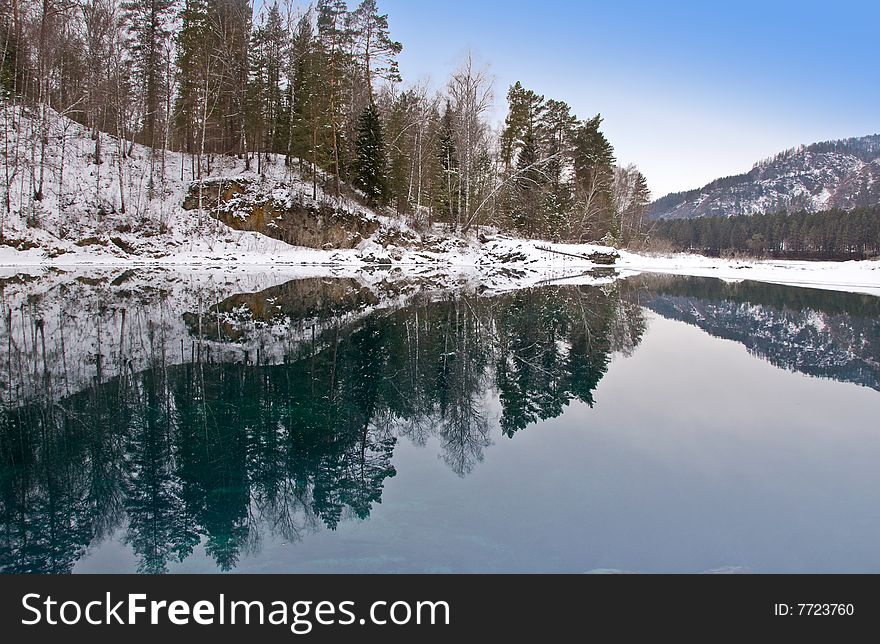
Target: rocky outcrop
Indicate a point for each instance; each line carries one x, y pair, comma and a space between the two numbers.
242, 205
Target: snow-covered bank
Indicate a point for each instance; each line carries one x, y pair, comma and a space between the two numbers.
496, 261
854, 277
126, 209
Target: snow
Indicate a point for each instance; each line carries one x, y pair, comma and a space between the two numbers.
82, 205
529, 264
853, 276
825, 175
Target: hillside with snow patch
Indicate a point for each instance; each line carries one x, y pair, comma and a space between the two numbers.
836, 174
134, 206
64, 200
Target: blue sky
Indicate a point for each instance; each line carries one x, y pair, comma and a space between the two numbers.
689, 90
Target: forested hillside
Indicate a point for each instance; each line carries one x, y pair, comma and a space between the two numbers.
834, 175
171, 92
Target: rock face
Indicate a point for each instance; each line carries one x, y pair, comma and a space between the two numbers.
240, 204
836, 174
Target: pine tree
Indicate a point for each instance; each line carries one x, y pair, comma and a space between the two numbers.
306, 136
334, 37
230, 25
269, 51
193, 76
277, 44
448, 201
557, 125
149, 28
594, 175
11, 58
529, 183
402, 128
376, 50
525, 110
370, 172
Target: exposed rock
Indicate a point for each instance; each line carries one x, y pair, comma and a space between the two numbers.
90, 281
18, 244
91, 241
373, 253
123, 245
397, 237
241, 205
123, 277
306, 299
605, 259
506, 257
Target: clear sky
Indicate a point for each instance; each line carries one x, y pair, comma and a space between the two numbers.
690, 91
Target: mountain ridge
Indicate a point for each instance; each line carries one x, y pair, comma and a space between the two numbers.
842, 173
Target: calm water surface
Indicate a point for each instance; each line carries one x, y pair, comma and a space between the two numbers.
339, 425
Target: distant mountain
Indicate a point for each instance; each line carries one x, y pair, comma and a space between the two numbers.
836, 174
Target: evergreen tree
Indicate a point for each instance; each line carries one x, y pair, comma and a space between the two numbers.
594, 175
525, 110
149, 27
11, 60
557, 125
402, 128
832, 234
529, 182
376, 51
268, 53
193, 66
308, 116
448, 201
334, 37
370, 172
230, 26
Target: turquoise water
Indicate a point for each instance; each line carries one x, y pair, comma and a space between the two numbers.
648, 424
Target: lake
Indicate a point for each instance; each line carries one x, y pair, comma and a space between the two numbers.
158, 421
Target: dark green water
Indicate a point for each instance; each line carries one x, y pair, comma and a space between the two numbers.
650, 424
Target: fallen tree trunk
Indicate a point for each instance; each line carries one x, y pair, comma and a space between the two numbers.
596, 257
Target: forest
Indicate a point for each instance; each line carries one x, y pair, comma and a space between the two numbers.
830, 235
315, 87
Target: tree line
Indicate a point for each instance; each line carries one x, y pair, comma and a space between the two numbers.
318, 86
831, 234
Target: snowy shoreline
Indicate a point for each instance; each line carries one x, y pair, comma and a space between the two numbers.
78, 226
473, 261
853, 276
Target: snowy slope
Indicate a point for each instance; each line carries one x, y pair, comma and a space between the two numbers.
80, 222
838, 174
130, 209
835, 337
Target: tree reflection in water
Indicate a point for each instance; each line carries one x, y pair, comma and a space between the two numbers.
215, 447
